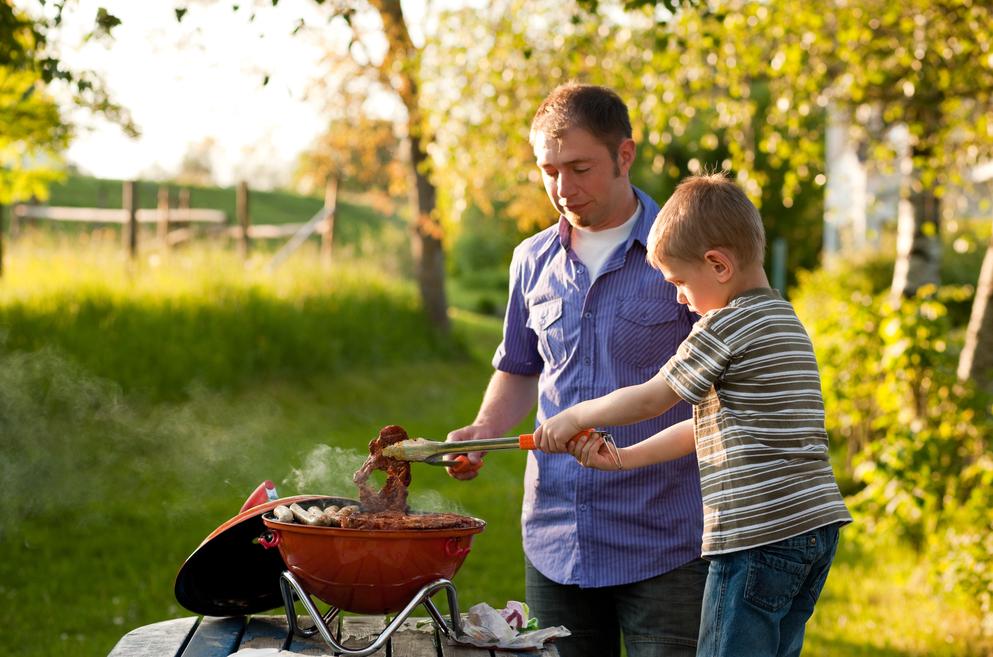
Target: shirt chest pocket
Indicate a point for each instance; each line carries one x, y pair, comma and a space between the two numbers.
545, 319
646, 332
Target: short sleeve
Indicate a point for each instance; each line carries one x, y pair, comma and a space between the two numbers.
518, 352
699, 362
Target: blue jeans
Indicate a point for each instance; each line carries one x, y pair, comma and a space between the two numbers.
757, 601
659, 617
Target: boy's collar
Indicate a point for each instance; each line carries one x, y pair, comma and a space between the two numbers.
767, 292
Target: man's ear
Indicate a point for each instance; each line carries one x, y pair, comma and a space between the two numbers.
625, 156
721, 263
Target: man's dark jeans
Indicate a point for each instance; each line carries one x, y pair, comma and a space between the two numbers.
658, 617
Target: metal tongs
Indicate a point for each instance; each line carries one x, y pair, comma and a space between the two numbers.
433, 452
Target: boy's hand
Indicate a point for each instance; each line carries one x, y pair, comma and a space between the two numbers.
554, 435
593, 452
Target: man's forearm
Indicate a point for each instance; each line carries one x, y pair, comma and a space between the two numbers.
507, 401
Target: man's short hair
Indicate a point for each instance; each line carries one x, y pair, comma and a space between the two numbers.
598, 110
707, 212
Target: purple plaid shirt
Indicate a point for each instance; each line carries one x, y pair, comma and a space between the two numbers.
584, 339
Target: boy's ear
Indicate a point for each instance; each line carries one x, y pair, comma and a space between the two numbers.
721, 263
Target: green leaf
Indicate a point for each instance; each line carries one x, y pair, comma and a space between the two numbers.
106, 21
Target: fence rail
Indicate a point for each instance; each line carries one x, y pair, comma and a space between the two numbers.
177, 225
118, 216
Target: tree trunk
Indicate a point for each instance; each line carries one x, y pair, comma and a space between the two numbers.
976, 361
918, 257
429, 252
399, 71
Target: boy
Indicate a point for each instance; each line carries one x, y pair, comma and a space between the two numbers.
772, 508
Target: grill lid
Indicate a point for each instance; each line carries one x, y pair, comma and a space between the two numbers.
230, 574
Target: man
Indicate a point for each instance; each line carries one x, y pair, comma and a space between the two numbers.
605, 552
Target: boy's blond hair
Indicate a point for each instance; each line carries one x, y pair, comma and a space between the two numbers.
706, 212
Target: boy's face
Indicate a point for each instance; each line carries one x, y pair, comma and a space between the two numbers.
700, 284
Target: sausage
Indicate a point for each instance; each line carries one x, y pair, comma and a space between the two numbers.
330, 516
305, 517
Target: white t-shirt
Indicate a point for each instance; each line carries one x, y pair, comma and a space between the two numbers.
594, 246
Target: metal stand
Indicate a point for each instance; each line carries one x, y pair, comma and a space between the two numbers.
292, 591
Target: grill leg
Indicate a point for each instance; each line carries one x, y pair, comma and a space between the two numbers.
292, 591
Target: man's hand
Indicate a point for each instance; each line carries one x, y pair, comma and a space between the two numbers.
555, 433
508, 399
458, 469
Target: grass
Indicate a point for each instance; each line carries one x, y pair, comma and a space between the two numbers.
878, 602
111, 479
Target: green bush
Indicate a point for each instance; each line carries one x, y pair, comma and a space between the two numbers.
912, 439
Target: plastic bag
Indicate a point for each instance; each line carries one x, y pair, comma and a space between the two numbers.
510, 628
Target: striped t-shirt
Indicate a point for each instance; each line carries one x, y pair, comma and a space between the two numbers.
758, 417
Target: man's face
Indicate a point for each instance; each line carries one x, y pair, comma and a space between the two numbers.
583, 181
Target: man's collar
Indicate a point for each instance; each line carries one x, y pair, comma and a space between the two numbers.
645, 219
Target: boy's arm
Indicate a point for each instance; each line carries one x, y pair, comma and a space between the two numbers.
671, 443
622, 406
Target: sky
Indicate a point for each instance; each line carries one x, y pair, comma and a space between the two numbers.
198, 79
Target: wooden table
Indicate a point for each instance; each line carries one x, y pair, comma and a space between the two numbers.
219, 637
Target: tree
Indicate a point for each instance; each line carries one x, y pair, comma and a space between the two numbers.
197, 167
35, 131
976, 360
485, 88
398, 70
361, 152
399, 67
927, 66
924, 65
33, 138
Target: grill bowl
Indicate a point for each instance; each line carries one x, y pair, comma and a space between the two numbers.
370, 571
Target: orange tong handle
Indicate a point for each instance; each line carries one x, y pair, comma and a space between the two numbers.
461, 463
526, 441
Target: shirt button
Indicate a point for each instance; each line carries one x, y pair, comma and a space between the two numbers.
582, 507
586, 361
579, 268
588, 315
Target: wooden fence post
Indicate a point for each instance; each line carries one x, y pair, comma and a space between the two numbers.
244, 218
183, 202
183, 209
327, 231
129, 197
163, 212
